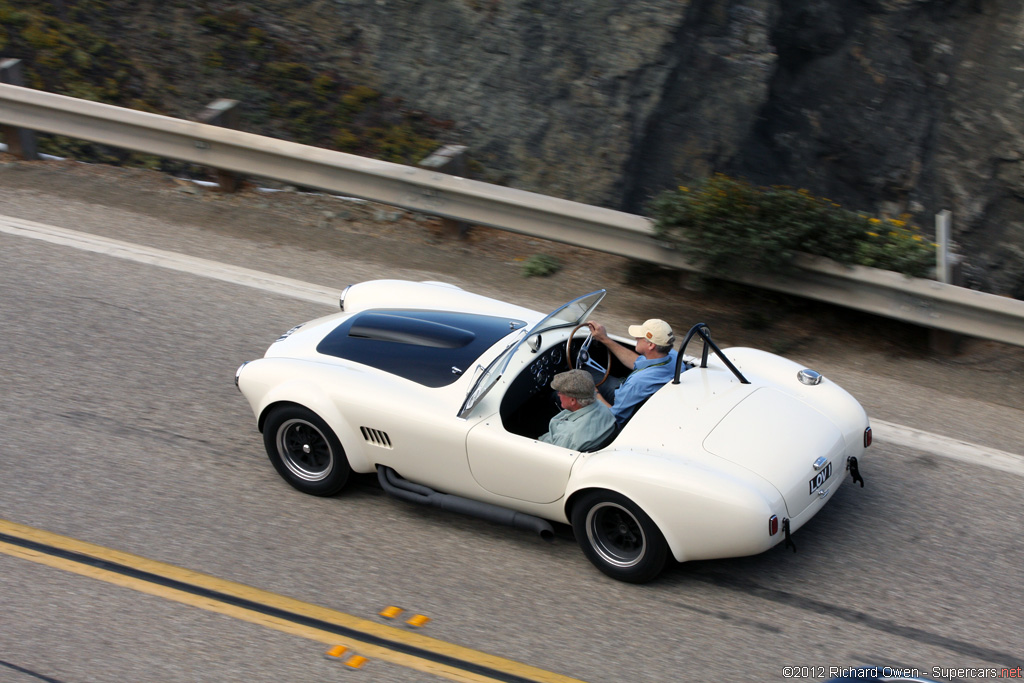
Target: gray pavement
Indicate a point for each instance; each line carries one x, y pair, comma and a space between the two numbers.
122, 427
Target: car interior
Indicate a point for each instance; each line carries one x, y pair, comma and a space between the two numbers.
530, 402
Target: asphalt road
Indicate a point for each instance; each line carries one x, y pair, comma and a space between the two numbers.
122, 428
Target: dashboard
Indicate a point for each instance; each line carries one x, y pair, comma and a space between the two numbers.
528, 402
549, 364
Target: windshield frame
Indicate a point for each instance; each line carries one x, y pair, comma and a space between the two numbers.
584, 306
572, 313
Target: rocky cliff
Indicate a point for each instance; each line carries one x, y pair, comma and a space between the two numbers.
886, 106
901, 106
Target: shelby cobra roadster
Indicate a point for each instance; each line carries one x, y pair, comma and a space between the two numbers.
443, 394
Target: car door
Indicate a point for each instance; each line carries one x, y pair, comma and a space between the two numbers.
517, 466
508, 464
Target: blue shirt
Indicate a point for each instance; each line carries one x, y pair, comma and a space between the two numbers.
649, 375
580, 429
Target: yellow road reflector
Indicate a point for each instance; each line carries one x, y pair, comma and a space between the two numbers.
336, 652
391, 612
418, 620
356, 662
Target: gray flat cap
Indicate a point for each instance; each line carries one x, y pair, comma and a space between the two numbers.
578, 384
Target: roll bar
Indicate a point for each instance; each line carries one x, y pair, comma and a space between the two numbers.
704, 332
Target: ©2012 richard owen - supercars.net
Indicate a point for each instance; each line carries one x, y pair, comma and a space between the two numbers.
443, 394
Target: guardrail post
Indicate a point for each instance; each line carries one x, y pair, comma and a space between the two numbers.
947, 270
223, 113
450, 159
942, 228
21, 142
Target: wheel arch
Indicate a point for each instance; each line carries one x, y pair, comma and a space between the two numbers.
262, 420
312, 398
574, 497
675, 544
703, 512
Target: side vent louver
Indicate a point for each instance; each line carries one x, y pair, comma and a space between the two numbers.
376, 437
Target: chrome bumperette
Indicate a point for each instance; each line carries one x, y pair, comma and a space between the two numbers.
341, 299
239, 372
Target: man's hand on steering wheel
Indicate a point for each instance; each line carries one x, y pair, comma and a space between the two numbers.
583, 358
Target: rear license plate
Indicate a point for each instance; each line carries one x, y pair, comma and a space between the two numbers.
821, 477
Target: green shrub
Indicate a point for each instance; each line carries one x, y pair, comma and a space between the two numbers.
541, 265
324, 86
235, 54
356, 99
895, 245
726, 223
287, 74
345, 141
13, 18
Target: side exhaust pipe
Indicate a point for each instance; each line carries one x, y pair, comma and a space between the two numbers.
400, 488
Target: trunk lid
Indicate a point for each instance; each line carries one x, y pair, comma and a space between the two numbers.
785, 441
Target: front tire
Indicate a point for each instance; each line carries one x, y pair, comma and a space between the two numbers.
305, 451
618, 537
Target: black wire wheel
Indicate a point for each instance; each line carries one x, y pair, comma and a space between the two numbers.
304, 451
618, 537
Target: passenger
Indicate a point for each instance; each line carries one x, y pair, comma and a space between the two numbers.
653, 361
584, 421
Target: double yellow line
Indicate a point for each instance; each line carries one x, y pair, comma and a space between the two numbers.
376, 641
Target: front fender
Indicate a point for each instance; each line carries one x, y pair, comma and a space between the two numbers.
259, 381
705, 507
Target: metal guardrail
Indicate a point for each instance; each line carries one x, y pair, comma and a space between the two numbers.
923, 302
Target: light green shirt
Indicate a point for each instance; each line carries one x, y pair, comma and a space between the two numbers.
582, 429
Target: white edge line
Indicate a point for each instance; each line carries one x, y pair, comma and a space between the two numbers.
883, 431
947, 447
168, 259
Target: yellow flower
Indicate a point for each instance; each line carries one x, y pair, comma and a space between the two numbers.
874, 221
873, 234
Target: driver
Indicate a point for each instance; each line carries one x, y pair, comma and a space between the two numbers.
584, 421
653, 361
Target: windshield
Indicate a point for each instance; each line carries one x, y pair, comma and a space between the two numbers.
572, 313
566, 315
489, 376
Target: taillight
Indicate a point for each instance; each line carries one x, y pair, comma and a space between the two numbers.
773, 525
867, 437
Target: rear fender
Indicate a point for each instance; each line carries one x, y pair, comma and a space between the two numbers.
705, 508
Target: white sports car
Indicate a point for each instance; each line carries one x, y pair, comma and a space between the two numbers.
443, 394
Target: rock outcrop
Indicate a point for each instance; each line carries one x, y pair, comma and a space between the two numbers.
886, 106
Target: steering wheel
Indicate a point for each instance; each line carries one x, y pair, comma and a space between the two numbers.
583, 357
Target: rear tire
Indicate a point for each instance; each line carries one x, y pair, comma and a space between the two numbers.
618, 537
305, 451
